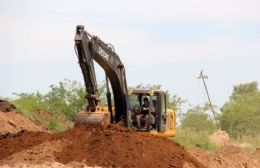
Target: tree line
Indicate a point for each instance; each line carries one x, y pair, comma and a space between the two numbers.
239, 116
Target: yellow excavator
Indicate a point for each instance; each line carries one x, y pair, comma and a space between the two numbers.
127, 102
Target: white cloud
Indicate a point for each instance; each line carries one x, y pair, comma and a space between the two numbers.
37, 31
180, 10
152, 11
48, 43
141, 48
25, 41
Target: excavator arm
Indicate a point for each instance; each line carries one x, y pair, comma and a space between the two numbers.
91, 48
82, 45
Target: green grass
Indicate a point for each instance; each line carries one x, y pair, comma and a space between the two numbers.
23, 111
55, 126
28, 109
191, 139
39, 119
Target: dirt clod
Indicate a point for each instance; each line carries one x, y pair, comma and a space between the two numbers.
6, 106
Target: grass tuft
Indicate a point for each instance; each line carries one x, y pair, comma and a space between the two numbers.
55, 126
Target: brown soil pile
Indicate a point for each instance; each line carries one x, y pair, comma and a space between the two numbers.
119, 147
220, 138
111, 147
228, 156
12, 124
6, 106
23, 141
257, 153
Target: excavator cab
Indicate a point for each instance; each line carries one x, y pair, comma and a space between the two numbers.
160, 119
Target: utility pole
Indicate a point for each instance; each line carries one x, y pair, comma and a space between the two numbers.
203, 77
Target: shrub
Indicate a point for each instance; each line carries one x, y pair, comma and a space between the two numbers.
190, 139
197, 119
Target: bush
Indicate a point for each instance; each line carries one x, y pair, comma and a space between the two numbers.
29, 103
63, 100
196, 126
197, 119
190, 139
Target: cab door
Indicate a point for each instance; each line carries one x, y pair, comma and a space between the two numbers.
161, 119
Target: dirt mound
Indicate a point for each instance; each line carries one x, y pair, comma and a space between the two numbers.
257, 153
119, 147
111, 147
46, 117
6, 106
228, 156
12, 124
220, 138
23, 141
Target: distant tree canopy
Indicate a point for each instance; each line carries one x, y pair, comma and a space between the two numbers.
241, 114
243, 89
67, 98
198, 119
63, 100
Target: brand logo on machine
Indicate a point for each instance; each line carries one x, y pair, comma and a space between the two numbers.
103, 53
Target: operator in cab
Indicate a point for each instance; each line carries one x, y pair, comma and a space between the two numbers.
144, 114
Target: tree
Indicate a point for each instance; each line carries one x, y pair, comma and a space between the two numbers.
63, 100
197, 119
66, 99
175, 102
241, 114
243, 89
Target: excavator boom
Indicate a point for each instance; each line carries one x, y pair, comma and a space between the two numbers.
90, 48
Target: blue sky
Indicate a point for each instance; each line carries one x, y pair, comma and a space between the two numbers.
166, 43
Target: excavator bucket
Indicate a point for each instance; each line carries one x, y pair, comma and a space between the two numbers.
93, 119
